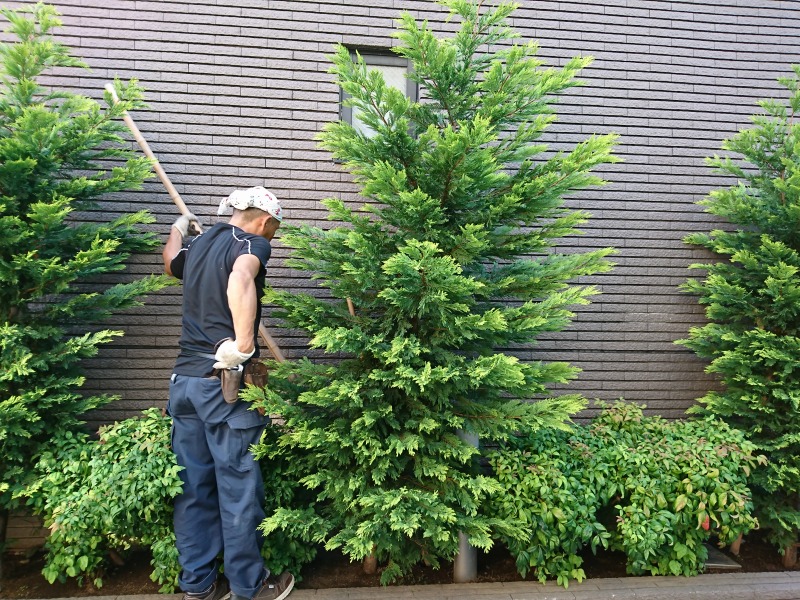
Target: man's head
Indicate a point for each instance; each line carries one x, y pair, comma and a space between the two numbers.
255, 210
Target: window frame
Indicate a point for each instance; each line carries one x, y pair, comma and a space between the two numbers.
377, 57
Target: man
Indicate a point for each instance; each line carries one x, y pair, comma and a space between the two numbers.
222, 502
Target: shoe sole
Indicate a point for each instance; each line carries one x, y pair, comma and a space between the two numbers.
287, 591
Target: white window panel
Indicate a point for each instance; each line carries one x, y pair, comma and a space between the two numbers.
394, 69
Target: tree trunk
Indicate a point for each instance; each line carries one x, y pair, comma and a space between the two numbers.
115, 557
3, 527
736, 546
790, 556
371, 564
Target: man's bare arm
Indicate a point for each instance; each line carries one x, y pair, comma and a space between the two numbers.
243, 300
171, 249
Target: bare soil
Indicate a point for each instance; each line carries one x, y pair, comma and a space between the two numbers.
23, 579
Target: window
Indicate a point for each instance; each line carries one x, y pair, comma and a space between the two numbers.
394, 69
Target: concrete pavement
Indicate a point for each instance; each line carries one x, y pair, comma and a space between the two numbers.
784, 585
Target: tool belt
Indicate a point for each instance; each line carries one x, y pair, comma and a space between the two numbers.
253, 373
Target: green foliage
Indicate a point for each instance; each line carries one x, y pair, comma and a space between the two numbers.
55, 152
116, 493
752, 299
670, 485
290, 548
452, 256
110, 493
548, 486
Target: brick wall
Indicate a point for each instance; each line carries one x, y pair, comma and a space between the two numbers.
237, 90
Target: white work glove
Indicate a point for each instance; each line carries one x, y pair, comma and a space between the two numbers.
187, 224
228, 355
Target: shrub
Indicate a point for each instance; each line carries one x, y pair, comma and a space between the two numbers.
668, 486
116, 492
547, 484
111, 493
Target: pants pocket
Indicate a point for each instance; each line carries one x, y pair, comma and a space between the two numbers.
244, 430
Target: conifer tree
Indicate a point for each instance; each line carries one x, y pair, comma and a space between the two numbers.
752, 299
55, 152
449, 263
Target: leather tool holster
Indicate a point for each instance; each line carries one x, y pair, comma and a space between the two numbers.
231, 380
253, 373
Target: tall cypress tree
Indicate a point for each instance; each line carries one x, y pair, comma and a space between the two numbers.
449, 263
55, 149
752, 299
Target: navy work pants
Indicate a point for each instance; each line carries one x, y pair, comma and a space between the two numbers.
222, 502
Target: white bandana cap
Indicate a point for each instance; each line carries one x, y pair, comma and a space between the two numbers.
257, 197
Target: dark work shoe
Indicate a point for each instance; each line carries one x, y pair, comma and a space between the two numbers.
218, 591
274, 588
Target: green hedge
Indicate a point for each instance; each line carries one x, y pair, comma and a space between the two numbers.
116, 492
652, 488
111, 493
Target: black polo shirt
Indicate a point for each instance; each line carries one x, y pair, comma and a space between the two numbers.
204, 264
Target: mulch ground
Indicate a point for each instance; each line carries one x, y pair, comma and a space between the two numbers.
22, 575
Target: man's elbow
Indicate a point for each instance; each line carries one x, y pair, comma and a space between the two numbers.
167, 260
237, 283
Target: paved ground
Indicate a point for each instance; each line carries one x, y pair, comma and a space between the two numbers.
729, 586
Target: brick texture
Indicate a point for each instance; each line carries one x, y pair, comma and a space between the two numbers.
237, 91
